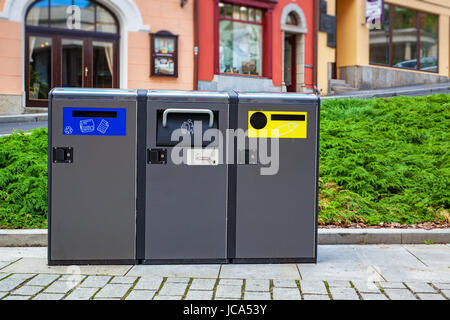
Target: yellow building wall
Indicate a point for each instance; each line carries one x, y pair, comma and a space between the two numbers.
325, 54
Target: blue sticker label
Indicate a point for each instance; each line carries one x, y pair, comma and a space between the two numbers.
95, 121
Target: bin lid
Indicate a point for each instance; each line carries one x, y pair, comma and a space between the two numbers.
92, 92
275, 97
187, 96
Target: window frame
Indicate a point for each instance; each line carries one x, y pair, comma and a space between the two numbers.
390, 44
267, 7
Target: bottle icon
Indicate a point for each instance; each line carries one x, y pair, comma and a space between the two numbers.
284, 129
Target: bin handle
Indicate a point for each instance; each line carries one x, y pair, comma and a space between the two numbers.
207, 111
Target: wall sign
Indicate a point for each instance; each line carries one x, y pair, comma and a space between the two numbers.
374, 13
327, 23
164, 54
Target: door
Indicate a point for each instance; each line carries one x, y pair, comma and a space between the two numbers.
290, 63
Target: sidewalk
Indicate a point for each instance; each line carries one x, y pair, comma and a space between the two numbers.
355, 272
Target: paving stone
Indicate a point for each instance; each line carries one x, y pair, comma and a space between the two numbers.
260, 271
430, 296
392, 285
107, 298
316, 297
3, 293
167, 298
422, 287
203, 284
176, 271
4, 275
339, 284
344, 294
373, 296
173, 289
148, 283
141, 295
49, 296
442, 286
228, 291
257, 296
43, 280
27, 290
286, 294
113, 291
366, 286
17, 298
81, 293
257, 285
177, 280
446, 293
285, 283
124, 280
400, 294
22, 276
95, 281
72, 277
199, 295
231, 282
9, 283
60, 287
313, 287
228, 299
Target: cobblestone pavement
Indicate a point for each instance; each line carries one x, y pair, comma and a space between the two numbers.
365, 272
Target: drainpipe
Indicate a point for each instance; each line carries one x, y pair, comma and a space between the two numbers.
195, 44
316, 39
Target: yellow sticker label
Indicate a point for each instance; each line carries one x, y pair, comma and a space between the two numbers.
277, 124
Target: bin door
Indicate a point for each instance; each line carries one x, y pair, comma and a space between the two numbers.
92, 196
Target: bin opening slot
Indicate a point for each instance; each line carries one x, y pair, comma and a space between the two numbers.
94, 114
287, 117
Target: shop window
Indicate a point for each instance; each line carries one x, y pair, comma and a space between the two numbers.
240, 39
407, 39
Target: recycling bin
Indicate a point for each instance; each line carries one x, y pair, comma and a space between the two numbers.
186, 184
92, 176
275, 214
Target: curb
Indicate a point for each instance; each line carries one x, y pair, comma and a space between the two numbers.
38, 237
32, 117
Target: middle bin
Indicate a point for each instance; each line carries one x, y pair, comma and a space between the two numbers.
186, 198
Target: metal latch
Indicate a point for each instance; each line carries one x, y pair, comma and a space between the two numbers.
62, 154
157, 156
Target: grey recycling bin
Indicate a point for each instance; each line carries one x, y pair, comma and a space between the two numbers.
275, 216
92, 176
186, 203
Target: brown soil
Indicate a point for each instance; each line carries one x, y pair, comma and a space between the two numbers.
394, 225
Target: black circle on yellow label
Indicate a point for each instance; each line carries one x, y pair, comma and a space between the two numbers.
258, 120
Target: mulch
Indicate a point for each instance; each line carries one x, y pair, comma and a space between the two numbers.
394, 225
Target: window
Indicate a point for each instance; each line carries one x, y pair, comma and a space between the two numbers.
407, 39
240, 39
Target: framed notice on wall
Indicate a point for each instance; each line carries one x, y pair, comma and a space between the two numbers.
164, 54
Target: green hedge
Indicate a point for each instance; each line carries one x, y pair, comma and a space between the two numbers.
381, 160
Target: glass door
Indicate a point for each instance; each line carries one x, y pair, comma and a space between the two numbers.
72, 63
103, 64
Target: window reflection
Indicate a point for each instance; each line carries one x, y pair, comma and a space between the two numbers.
40, 67
379, 41
428, 42
404, 38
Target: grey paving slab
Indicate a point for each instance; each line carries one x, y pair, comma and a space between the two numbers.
141, 295
107, 298
3, 293
4, 275
43, 280
81, 293
366, 286
286, 294
446, 293
435, 255
339, 254
124, 280
285, 283
4, 264
72, 277
27, 290
22, 276
373, 296
420, 287
315, 297
228, 292
231, 282
410, 273
313, 287
337, 271
259, 285
344, 294
173, 289
199, 295
60, 287
149, 283
202, 284
177, 280
442, 285
95, 281
257, 295
388, 255
39, 265
16, 253
392, 285
113, 291
400, 294
339, 283
168, 297
430, 296
181, 271
9, 283
49, 296
260, 271
12, 297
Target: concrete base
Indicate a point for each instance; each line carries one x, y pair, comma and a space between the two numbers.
371, 77
238, 83
11, 104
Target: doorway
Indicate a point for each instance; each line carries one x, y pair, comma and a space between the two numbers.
290, 62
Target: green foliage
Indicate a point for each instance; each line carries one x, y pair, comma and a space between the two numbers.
385, 160
23, 180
